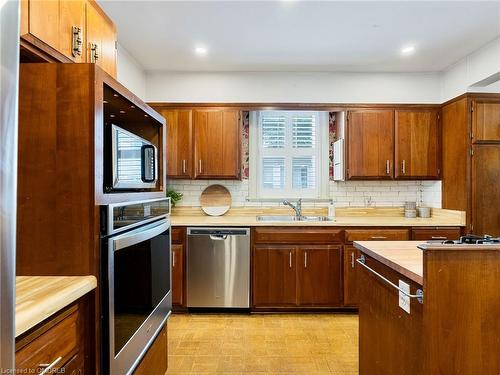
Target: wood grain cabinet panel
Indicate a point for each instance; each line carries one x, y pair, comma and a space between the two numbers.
319, 276
417, 144
274, 276
217, 144
178, 275
101, 39
485, 121
370, 144
295, 236
376, 235
71, 14
486, 189
155, 361
429, 234
179, 143
350, 281
44, 21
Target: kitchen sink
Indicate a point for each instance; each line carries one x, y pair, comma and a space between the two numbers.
292, 218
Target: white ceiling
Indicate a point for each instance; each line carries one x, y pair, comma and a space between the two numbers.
300, 35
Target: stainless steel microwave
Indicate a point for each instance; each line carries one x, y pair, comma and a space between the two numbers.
134, 161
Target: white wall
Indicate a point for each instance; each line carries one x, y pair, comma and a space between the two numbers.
477, 72
130, 73
290, 87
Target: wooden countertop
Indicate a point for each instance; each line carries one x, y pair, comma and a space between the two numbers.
346, 217
39, 297
402, 256
346, 221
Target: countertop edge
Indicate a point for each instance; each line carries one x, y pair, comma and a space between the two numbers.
55, 302
392, 265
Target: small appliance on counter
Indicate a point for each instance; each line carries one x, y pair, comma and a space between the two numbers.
136, 272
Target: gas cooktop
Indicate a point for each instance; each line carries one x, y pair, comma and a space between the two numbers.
472, 239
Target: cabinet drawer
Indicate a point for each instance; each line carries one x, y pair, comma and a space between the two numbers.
294, 235
435, 234
376, 235
49, 343
178, 235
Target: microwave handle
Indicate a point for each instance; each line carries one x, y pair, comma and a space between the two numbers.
143, 163
139, 235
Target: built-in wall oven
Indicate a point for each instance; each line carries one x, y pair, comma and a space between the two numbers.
136, 270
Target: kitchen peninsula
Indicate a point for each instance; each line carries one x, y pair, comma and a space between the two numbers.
446, 319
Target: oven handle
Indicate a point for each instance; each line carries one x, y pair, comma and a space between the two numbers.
139, 235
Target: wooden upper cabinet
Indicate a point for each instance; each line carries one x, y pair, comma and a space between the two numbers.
319, 275
485, 121
72, 20
179, 143
101, 39
217, 143
370, 144
417, 144
44, 21
486, 189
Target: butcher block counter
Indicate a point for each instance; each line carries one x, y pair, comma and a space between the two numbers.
39, 297
431, 309
345, 217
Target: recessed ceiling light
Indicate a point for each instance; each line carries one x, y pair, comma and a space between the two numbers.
408, 50
200, 51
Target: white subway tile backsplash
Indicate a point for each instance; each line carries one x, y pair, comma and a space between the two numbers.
343, 193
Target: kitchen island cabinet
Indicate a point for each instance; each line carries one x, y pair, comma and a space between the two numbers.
451, 329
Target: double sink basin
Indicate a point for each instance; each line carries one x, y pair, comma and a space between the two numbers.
292, 218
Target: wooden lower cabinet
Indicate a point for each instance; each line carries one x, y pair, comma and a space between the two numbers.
62, 340
435, 234
274, 276
319, 276
178, 275
155, 362
350, 281
296, 276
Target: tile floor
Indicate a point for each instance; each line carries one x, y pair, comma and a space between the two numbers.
263, 344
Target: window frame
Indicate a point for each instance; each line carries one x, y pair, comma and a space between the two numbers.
321, 155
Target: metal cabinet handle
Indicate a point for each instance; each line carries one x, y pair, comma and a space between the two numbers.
352, 259
173, 260
378, 237
184, 166
94, 55
199, 165
403, 166
76, 41
305, 259
290, 259
439, 238
419, 296
387, 167
49, 366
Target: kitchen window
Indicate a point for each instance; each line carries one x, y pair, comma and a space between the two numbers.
288, 154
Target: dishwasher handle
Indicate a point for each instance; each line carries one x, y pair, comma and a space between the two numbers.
218, 237
218, 232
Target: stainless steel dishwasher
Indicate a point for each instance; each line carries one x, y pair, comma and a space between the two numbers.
218, 267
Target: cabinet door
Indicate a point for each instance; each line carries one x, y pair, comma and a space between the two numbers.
217, 144
417, 144
486, 190
485, 121
72, 14
319, 276
350, 292
75, 366
370, 144
179, 143
178, 274
44, 21
274, 276
101, 38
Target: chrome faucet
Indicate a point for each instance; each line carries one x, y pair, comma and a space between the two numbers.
296, 207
